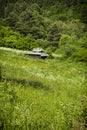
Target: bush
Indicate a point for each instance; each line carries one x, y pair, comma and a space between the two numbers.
80, 55
12, 39
67, 44
43, 43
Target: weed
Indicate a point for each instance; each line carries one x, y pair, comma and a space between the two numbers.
42, 95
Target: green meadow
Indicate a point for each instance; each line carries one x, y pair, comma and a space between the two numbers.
38, 94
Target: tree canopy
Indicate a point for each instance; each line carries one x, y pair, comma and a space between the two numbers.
48, 24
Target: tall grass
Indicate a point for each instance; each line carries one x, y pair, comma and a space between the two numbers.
42, 94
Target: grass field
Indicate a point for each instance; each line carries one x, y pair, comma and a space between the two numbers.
40, 94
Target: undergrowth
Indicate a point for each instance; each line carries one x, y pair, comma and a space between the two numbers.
42, 94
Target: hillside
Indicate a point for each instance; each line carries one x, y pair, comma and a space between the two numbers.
37, 94
41, 94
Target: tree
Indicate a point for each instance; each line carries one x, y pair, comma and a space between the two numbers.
29, 43
67, 44
2, 8
54, 35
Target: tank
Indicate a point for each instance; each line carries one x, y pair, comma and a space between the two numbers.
38, 52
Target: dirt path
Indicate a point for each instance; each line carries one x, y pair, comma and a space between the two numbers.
13, 50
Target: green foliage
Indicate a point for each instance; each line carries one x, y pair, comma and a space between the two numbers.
53, 32
26, 19
12, 39
29, 43
43, 43
65, 39
8, 37
83, 41
36, 7
41, 95
46, 94
47, 24
67, 44
76, 48
80, 55
49, 52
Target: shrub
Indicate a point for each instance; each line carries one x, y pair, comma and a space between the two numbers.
80, 55
42, 43
67, 44
12, 39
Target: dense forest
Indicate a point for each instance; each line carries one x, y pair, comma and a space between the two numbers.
58, 26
